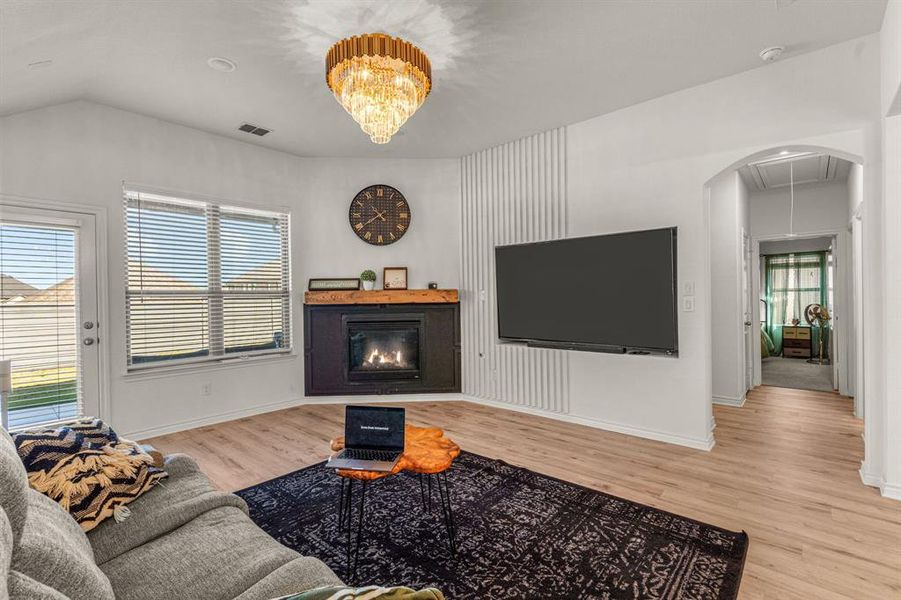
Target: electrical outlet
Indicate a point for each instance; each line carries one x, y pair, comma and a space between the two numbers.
688, 303
206, 389
688, 288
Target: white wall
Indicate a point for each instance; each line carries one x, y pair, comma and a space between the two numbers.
891, 58
729, 218
81, 152
882, 466
888, 474
818, 207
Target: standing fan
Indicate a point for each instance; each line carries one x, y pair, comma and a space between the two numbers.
817, 315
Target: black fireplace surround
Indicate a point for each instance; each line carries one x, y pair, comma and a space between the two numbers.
381, 348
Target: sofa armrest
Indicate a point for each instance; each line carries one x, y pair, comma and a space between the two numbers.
178, 465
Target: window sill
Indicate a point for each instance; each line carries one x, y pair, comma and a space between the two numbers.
206, 367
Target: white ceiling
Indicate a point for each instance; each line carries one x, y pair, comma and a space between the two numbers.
783, 170
502, 68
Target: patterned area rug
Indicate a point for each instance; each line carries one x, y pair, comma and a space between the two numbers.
519, 535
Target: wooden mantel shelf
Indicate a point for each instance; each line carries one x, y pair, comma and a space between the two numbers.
382, 297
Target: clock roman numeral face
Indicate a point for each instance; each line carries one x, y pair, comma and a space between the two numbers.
379, 215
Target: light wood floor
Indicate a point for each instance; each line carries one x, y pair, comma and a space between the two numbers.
784, 469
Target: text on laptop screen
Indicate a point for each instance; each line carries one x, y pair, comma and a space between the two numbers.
374, 427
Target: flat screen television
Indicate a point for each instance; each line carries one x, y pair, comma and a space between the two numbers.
605, 293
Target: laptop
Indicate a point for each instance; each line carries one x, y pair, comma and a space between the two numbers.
373, 439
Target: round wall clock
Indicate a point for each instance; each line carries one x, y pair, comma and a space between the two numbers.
379, 215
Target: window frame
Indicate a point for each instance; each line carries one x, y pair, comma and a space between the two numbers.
214, 294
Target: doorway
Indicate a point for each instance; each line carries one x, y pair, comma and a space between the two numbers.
799, 308
791, 195
49, 317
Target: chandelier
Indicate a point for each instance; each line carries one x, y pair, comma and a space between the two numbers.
380, 80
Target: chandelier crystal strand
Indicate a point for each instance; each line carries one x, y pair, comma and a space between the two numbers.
379, 80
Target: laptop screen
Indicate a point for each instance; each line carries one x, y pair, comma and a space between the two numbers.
374, 427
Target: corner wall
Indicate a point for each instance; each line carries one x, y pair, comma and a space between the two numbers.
729, 220
81, 152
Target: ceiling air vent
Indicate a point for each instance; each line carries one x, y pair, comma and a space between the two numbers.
254, 129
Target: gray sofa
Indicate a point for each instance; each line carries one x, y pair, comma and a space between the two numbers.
184, 540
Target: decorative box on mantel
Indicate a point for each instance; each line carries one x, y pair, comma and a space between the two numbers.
381, 342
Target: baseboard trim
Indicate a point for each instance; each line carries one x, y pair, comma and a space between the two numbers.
649, 434
143, 434
868, 478
727, 401
659, 436
891, 491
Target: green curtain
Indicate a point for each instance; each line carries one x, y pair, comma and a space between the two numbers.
793, 281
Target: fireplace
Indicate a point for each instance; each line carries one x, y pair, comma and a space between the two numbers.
383, 350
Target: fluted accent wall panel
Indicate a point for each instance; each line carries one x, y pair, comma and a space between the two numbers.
513, 193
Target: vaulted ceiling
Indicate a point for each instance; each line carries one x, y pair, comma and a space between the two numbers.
502, 68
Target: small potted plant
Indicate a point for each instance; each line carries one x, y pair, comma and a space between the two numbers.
368, 279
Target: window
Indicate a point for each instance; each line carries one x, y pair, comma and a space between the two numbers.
794, 282
206, 281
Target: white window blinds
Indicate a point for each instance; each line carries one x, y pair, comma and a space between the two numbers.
206, 281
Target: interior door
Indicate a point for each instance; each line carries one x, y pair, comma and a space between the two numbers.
48, 316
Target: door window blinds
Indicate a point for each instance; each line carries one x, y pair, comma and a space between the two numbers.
206, 281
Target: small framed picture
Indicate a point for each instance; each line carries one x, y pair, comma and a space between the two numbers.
394, 278
320, 284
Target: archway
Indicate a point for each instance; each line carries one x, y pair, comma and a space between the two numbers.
742, 247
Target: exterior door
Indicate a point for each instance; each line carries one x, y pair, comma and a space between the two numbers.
48, 316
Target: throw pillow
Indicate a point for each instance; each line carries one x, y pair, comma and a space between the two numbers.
87, 468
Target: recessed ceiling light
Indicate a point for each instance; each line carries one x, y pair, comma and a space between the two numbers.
772, 53
223, 65
784, 153
40, 64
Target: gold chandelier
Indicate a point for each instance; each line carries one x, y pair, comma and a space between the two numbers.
380, 80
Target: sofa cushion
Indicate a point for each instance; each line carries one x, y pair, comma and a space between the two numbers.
54, 551
301, 574
22, 587
6, 552
13, 484
185, 495
218, 555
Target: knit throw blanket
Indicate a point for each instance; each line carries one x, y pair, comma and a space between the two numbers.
367, 593
87, 468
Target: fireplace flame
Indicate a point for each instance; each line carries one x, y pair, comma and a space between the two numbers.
377, 357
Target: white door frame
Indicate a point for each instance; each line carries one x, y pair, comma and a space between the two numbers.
99, 215
842, 285
746, 287
856, 296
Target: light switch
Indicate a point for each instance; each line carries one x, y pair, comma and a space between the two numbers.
688, 303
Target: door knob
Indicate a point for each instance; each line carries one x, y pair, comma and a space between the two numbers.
88, 341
